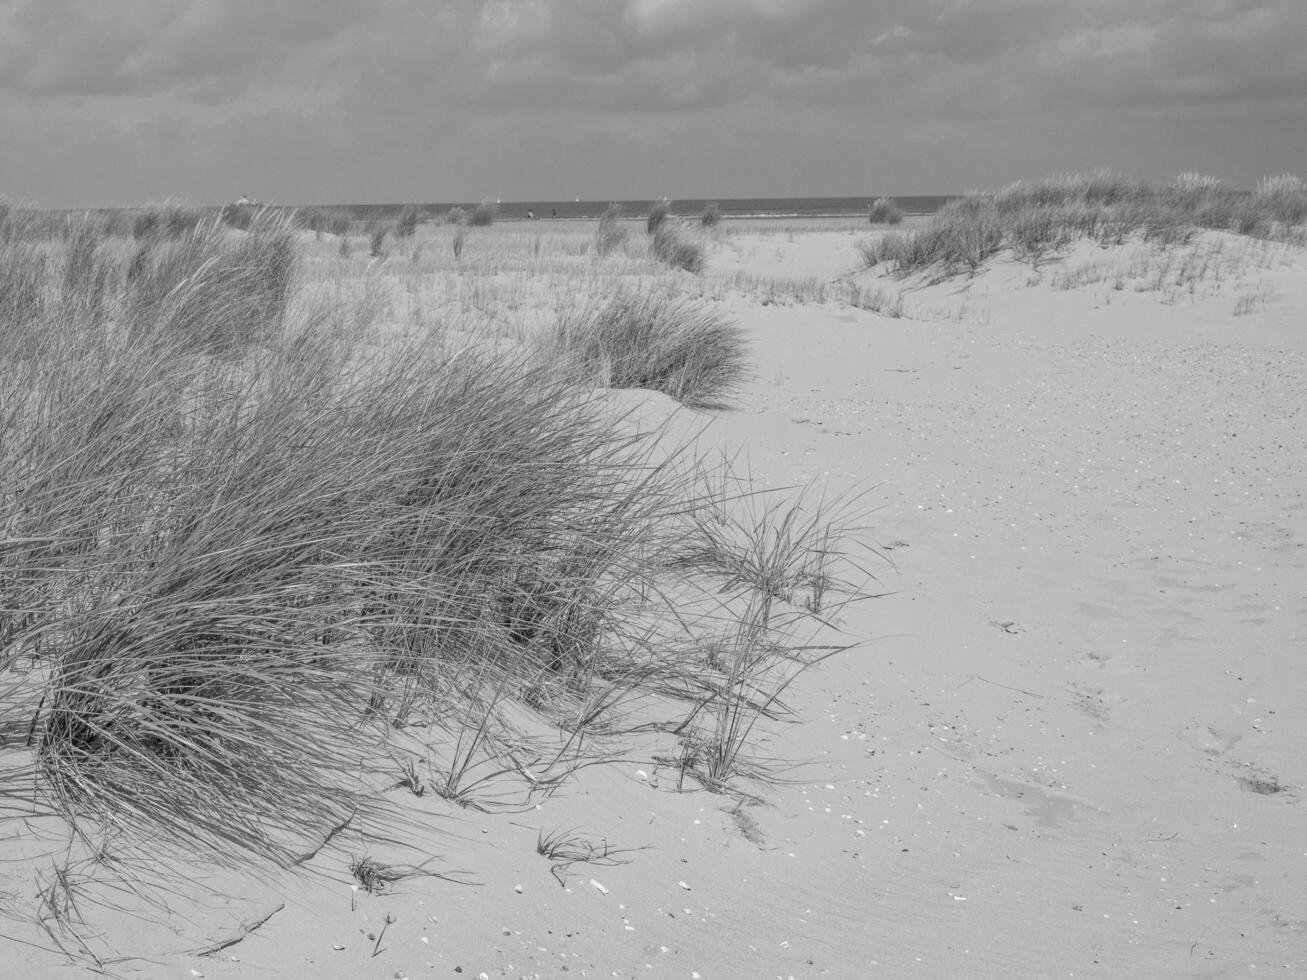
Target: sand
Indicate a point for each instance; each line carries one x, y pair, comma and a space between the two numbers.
1070, 739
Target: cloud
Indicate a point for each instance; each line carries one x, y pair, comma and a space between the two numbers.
757, 87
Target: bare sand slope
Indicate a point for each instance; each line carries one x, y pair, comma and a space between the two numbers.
1071, 742
1076, 748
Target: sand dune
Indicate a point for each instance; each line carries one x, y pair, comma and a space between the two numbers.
1069, 739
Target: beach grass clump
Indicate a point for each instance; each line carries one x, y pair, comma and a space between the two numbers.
885, 211
658, 213
483, 215
23, 294
611, 233
683, 348
209, 292
960, 236
331, 221
171, 219
246, 551
1283, 199
407, 222
238, 216
1038, 218
712, 215
675, 245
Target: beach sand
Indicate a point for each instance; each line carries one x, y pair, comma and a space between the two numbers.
1069, 739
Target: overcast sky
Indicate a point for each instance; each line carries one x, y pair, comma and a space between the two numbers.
115, 102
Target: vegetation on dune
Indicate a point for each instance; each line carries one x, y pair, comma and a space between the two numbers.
610, 234
332, 221
658, 213
172, 219
712, 215
407, 222
1039, 218
649, 340
675, 245
483, 215
245, 552
885, 211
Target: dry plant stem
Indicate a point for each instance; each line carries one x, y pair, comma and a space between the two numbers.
246, 928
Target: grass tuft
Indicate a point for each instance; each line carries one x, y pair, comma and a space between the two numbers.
682, 348
658, 213
885, 211
483, 215
407, 222
675, 245
1038, 218
611, 233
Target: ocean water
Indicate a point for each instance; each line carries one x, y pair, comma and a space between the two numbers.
745, 207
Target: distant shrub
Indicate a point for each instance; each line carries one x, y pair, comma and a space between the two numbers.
459, 240
658, 212
456, 216
407, 223
712, 214
682, 348
483, 215
673, 244
885, 211
377, 238
611, 233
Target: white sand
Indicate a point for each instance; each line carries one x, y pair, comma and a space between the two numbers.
1071, 742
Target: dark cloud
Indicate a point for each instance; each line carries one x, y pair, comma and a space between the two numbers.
458, 81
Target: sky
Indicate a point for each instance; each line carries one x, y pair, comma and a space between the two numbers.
107, 103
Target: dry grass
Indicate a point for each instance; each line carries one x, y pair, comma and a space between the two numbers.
1036, 219
648, 340
246, 543
674, 244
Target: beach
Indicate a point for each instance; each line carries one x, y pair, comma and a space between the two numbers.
1063, 735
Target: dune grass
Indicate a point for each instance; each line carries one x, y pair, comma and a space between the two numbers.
659, 211
245, 549
1036, 219
610, 234
674, 244
885, 211
483, 215
648, 340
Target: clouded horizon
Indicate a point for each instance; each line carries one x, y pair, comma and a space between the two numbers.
345, 101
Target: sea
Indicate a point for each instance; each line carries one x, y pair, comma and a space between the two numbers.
744, 207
